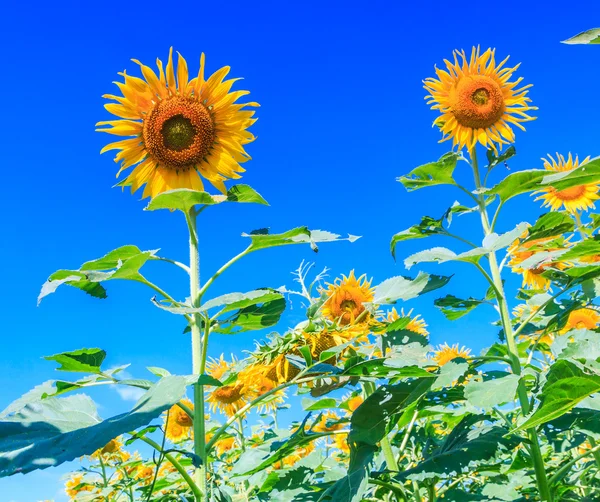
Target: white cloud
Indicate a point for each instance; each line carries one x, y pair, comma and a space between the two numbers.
129, 393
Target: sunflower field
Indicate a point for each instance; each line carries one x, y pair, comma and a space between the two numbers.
379, 413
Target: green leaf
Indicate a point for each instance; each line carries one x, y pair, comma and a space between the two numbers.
58, 430
121, 263
450, 373
517, 183
372, 419
236, 301
321, 404
495, 388
588, 247
464, 445
185, 199
404, 288
32, 396
566, 385
253, 317
82, 360
208, 380
454, 308
585, 37
262, 239
550, 225
494, 160
381, 368
434, 173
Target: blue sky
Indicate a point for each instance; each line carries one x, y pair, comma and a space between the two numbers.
340, 84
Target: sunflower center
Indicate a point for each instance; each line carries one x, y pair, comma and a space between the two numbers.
183, 419
178, 132
477, 101
348, 305
228, 394
572, 193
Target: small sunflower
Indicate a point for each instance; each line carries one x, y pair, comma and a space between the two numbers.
181, 129
298, 454
445, 353
582, 319
354, 402
520, 251
573, 199
76, 484
346, 298
179, 425
113, 450
416, 324
329, 421
281, 370
145, 474
340, 441
224, 445
254, 378
477, 100
229, 399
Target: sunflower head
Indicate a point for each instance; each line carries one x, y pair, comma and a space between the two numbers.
179, 129
224, 445
573, 199
346, 298
416, 324
229, 399
179, 425
254, 378
585, 318
280, 370
445, 353
329, 421
76, 484
354, 402
477, 100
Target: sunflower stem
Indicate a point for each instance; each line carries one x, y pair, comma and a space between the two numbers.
198, 356
538, 461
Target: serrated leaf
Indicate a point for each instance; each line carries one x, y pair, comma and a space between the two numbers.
566, 385
245, 193
236, 301
495, 388
32, 396
404, 288
454, 308
82, 360
434, 173
550, 225
253, 317
300, 235
585, 37
58, 430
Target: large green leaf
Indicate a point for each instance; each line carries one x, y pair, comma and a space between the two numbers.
434, 173
235, 301
404, 288
121, 263
34, 395
585, 37
464, 445
58, 430
185, 199
517, 183
255, 316
492, 389
371, 420
566, 385
82, 360
262, 239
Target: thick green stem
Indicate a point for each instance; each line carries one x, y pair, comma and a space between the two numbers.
538, 461
386, 447
198, 350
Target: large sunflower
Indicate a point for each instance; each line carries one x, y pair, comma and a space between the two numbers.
179, 425
573, 199
181, 129
584, 318
477, 100
346, 297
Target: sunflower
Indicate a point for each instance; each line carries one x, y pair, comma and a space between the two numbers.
281, 370
329, 421
346, 297
582, 319
354, 402
181, 129
179, 425
477, 100
112, 451
76, 484
446, 353
298, 454
145, 474
416, 324
340, 441
224, 445
254, 378
520, 251
580, 197
229, 399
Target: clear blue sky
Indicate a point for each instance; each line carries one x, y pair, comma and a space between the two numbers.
342, 116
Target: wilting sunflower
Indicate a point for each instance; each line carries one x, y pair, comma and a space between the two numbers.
179, 425
445, 353
573, 199
254, 378
112, 451
346, 297
416, 324
281, 370
520, 251
582, 319
181, 129
229, 399
477, 100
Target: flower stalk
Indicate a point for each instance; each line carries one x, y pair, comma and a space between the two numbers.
538, 461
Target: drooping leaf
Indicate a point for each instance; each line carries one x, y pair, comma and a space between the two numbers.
300, 235
82, 360
494, 160
585, 37
402, 288
121, 263
566, 385
434, 173
58, 430
454, 308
